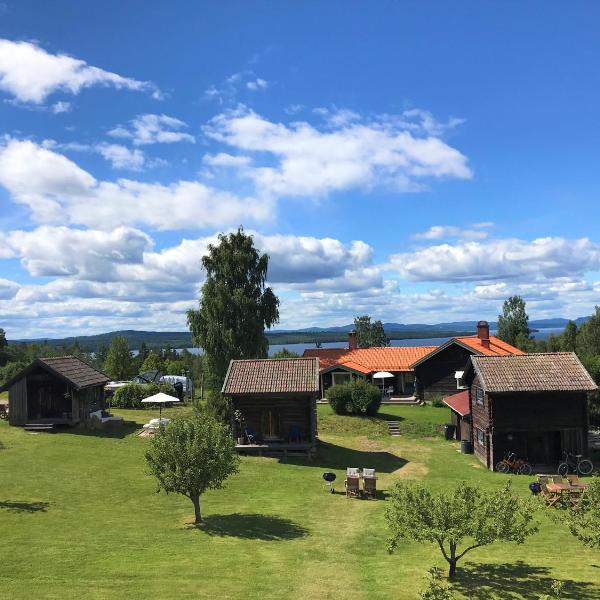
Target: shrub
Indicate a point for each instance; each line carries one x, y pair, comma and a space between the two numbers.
132, 394
217, 406
355, 397
437, 401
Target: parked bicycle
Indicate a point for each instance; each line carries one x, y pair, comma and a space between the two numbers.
511, 463
574, 463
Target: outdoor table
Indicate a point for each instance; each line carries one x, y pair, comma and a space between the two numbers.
558, 489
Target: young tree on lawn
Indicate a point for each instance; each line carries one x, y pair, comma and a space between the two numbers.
235, 306
584, 519
118, 363
463, 515
436, 589
513, 323
369, 335
192, 455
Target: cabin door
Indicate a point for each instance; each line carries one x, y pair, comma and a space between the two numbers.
271, 425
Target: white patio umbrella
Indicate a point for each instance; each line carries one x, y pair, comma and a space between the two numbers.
160, 399
383, 375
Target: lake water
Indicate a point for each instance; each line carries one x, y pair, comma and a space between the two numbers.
542, 334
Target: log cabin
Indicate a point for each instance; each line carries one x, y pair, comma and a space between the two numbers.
277, 400
439, 372
534, 404
60, 390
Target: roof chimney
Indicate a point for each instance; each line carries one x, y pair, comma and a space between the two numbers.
483, 333
352, 345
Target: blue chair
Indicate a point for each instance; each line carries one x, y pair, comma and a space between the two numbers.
251, 435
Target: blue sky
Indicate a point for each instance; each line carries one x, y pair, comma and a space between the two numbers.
416, 162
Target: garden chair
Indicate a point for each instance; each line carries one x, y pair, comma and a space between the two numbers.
557, 479
368, 472
369, 486
352, 486
574, 480
251, 435
352, 472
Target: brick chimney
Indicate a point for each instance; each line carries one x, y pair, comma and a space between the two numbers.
483, 333
352, 345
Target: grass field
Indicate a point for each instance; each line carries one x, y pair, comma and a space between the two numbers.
79, 517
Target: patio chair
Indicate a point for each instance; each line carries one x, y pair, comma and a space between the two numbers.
368, 472
369, 486
574, 480
352, 472
352, 486
557, 479
250, 435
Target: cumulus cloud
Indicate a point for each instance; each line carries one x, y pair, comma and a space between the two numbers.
257, 84
357, 154
8, 289
153, 129
549, 257
122, 157
57, 191
31, 74
477, 231
61, 107
223, 159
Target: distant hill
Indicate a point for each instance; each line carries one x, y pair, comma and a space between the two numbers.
395, 331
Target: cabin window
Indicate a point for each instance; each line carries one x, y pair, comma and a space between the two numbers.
480, 436
479, 396
460, 384
338, 378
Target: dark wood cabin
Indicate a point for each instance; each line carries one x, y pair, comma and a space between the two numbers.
439, 372
460, 414
534, 404
55, 391
277, 399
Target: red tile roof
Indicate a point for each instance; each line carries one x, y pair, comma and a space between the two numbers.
458, 402
497, 346
370, 360
272, 376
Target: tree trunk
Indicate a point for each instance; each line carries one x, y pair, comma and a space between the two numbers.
197, 513
452, 571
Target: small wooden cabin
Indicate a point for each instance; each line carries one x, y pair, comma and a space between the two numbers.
460, 414
55, 391
534, 404
278, 401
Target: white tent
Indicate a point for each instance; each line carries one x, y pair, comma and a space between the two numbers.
160, 399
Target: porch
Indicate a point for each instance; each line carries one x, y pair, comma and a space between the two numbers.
276, 449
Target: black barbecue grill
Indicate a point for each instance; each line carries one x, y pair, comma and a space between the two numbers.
329, 479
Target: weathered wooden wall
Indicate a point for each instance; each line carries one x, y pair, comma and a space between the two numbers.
17, 402
436, 375
480, 419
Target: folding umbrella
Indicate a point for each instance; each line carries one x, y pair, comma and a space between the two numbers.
160, 399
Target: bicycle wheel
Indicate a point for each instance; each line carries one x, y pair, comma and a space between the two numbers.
502, 467
585, 467
525, 469
563, 469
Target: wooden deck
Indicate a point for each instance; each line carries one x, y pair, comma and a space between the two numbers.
275, 448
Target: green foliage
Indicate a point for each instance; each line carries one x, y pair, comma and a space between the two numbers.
4, 354
192, 455
437, 400
584, 519
513, 323
174, 367
9, 370
235, 306
118, 363
131, 395
152, 362
217, 406
369, 335
284, 353
556, 591
588, 336
465, 514
436, 589
357, 397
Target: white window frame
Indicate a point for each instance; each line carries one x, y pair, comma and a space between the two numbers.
460, 384
480, 437
347, 377
479, 397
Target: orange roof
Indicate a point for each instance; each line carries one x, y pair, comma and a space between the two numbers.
458, 402
370, 360
497, 346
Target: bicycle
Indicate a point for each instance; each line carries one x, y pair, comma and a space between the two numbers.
511, 463
574, 463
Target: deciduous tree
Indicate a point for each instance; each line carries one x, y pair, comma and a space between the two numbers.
118, 363
235, 305
285, 353
369, 335
192, 455
513, 323
466, 515
584, 518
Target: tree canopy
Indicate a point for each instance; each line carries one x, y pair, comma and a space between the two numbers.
584, 518
118, 363
192, 455
285, 353
235, 305
513, 323
369, 335
463, 515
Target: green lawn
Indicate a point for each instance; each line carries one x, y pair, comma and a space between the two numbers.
79, 517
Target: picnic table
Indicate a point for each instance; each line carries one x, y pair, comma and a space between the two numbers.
557, 490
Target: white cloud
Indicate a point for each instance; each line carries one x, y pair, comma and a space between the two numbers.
57, 191
549, 257
122, 157
223, 159
154, 129
8, 289
477, 231
314, 163
31, 74
257, 84
61, 107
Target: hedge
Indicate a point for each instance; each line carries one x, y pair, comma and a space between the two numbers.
356, 397
132, 394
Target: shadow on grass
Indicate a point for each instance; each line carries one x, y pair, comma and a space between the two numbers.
23, 507
387, 417
516, 580
268, 528
332, 456
127, 428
